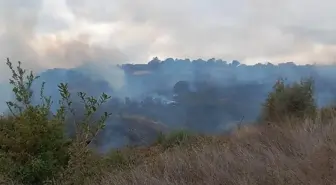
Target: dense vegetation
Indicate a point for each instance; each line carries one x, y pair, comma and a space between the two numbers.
36, 147
172, 90
178, 94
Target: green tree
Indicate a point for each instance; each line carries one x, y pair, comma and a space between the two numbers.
294, 100
33, 144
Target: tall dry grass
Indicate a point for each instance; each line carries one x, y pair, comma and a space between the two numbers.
292, 154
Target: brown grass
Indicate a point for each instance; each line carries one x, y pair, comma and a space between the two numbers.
301, 154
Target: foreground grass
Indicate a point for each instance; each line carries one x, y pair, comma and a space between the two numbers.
301, 154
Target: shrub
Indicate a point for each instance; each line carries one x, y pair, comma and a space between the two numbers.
294, 100
174, 138
33, 145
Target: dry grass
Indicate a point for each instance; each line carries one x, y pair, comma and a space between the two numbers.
301, 154
261, 154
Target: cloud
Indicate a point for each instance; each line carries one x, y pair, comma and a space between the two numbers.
248, 30
66, 33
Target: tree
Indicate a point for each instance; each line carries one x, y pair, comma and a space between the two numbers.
294, 100
33, 144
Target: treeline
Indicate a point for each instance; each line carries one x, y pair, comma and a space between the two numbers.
172, 90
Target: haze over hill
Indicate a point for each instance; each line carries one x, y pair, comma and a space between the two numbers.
180, 93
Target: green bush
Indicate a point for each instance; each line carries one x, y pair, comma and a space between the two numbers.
174, 138
295, 100
33, 145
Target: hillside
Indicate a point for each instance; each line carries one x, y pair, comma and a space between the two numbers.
180, 93
301, 154
291, 142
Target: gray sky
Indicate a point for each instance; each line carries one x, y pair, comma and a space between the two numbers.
66, 33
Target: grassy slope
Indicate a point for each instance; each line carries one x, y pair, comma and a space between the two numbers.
302, 154
265, 154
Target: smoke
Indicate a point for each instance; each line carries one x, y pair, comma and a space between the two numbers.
16, 31
24, 37
18, 19
104, 71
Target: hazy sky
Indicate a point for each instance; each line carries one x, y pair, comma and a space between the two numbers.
65, 33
